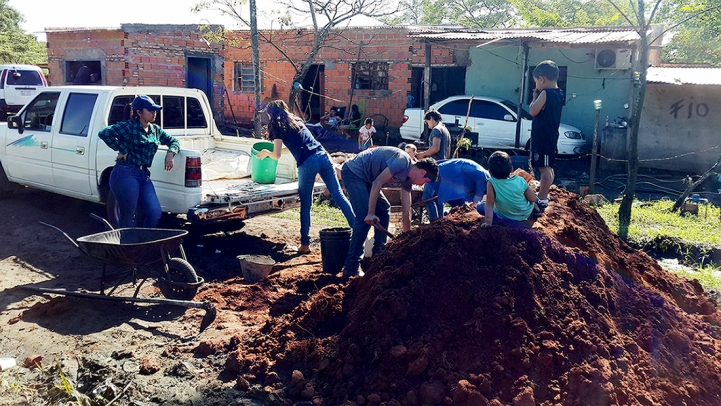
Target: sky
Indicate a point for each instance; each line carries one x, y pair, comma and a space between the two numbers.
41, 14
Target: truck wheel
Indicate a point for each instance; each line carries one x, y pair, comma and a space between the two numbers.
179, 270
6, 187
113, 212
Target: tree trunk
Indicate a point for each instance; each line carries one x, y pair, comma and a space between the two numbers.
679, 202
257, 125
624, 210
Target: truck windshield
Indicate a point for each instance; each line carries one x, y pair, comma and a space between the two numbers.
24, 78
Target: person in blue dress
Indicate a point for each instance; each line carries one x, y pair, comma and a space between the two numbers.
312, 159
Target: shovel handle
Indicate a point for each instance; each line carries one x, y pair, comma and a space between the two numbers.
382, 229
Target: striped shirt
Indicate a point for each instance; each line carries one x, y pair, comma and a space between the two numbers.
129, 137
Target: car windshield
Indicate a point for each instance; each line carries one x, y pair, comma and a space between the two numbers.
514, 107
24, 78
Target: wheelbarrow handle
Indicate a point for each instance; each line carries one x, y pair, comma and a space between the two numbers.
210, 310
61, 232
102, 220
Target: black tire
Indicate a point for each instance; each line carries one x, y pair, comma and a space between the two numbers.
6, 187
179, 270
112, 210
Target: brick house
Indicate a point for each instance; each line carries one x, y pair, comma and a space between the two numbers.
375, 67
139, 55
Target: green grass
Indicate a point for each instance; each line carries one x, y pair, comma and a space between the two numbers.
651, 218
320, 214
708, 276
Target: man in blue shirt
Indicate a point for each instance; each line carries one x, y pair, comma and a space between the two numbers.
459, 181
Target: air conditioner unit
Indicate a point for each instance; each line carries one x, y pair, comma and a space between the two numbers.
609, 58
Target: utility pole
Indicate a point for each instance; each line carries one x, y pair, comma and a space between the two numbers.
257, 127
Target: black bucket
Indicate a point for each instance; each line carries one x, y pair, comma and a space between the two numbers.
334, 245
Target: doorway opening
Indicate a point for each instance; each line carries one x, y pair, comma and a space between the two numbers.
445, 82
199, 76
312, 101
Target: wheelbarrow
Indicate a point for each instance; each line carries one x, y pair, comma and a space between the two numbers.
142, 250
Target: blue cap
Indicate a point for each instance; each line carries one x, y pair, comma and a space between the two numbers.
144, 102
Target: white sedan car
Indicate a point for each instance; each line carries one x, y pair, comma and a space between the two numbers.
495, 122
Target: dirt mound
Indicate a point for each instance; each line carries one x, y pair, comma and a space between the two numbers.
456, 314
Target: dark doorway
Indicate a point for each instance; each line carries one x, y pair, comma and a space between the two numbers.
90, 72
199, 76
445, 82
312, 101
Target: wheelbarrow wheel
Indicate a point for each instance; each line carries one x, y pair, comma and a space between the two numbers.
180, 271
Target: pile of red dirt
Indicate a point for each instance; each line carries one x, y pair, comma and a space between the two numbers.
456, 314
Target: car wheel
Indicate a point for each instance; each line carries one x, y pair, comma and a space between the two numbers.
112, 210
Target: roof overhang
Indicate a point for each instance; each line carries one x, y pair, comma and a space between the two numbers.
577, 36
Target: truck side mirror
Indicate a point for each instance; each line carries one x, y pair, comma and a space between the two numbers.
16, 122
508, 117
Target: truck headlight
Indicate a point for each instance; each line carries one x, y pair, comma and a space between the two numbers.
574, 135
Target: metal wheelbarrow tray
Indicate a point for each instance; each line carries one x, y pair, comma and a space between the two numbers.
142, 250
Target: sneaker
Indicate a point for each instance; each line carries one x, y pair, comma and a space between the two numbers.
542, 204
304, 249
347, 275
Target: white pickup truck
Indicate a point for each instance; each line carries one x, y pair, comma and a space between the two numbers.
53, 144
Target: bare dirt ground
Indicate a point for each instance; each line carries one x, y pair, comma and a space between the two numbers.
450, 313
92, 341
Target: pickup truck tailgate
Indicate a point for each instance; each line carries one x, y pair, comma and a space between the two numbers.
244, 198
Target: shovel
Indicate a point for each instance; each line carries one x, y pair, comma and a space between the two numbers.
379, 227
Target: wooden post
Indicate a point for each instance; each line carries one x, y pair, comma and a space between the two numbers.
592, 177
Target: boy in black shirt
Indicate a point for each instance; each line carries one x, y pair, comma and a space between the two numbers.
546, 111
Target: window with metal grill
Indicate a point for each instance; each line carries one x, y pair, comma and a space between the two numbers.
244, 77
371, 75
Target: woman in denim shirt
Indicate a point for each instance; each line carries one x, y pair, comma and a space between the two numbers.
312, 159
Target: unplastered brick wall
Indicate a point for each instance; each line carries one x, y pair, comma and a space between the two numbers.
67, 45
140, 55
342, 49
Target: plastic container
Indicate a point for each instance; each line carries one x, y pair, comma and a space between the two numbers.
255, 267
262, 170
334, 245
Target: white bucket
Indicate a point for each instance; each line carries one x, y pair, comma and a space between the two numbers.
255, 267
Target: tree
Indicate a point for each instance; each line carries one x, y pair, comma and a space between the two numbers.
468, 13
568, 13
697, 39
15, 45
323, 15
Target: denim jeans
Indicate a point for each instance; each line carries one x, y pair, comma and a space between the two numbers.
319, 163
500, 219
359, 193
435, 208
134, 190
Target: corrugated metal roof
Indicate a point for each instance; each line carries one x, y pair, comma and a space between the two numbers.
582, 35
684, 76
